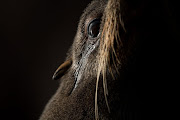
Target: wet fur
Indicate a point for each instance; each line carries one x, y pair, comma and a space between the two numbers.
124, 101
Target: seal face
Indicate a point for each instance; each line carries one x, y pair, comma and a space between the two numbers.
106, 63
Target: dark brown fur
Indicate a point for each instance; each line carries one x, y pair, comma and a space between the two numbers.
70, 103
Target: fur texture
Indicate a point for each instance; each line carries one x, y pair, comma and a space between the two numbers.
103, 80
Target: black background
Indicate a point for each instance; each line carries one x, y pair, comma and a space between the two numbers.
35, 36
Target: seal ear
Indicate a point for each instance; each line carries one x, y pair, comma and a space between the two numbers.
62, 69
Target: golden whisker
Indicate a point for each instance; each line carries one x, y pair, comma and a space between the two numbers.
110, 34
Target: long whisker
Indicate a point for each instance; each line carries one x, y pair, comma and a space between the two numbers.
110, 35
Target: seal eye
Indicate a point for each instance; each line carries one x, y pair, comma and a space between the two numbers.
93, 28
